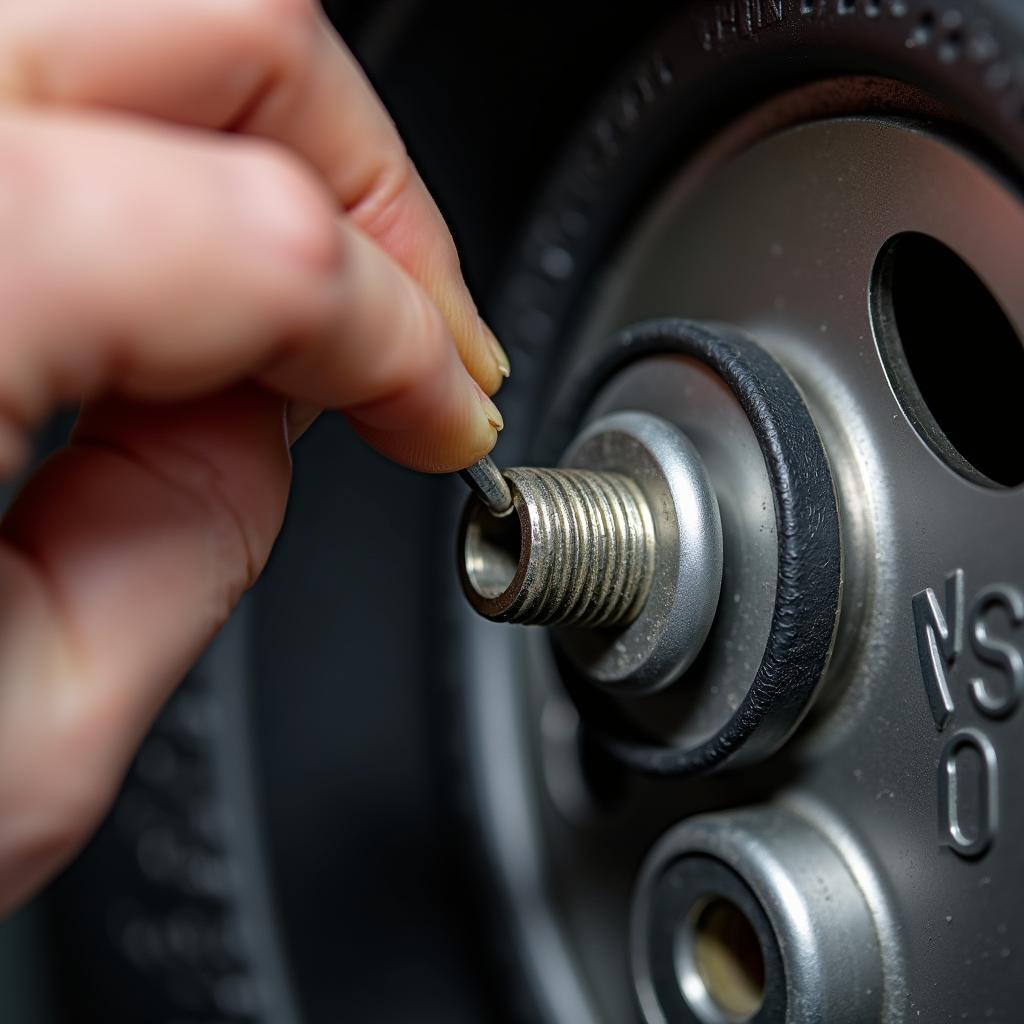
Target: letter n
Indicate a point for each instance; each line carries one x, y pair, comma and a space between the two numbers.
939, 641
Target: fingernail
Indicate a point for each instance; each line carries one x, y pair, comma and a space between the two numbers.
494, 417
500, 355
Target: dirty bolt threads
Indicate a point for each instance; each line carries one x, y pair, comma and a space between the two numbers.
576, 549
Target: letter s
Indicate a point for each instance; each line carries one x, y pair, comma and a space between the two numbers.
997, 652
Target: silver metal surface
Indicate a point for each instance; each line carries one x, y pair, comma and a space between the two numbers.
485, 480
578, 549
669, 632
826, 936
781, 240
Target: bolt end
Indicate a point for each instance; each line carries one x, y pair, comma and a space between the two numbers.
576, 549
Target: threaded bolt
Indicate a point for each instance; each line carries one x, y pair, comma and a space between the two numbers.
575, 549
626, 535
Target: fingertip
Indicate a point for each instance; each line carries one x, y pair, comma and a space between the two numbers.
441, 426
482, 354
490, 410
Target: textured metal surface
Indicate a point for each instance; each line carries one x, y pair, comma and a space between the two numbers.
782, 241
802, 247
577, 549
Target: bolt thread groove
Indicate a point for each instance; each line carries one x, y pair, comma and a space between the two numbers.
587, 555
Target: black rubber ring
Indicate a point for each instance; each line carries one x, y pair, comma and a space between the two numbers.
809, 556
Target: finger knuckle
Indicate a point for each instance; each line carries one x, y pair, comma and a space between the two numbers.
299, 211
378, 206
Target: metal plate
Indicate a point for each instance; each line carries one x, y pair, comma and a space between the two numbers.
782, 242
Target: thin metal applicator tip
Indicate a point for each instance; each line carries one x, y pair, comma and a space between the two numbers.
485, 480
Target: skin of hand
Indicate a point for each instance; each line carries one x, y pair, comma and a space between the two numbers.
211, 231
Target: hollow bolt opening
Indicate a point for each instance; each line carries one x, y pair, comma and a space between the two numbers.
721, 968
492, 550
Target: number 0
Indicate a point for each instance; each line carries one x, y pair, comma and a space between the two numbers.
956, 800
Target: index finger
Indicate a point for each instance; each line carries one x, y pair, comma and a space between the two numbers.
272, 68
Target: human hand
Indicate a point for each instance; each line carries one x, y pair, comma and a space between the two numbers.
210, 231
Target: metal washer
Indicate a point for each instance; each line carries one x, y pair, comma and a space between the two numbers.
819, 939
660, 644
